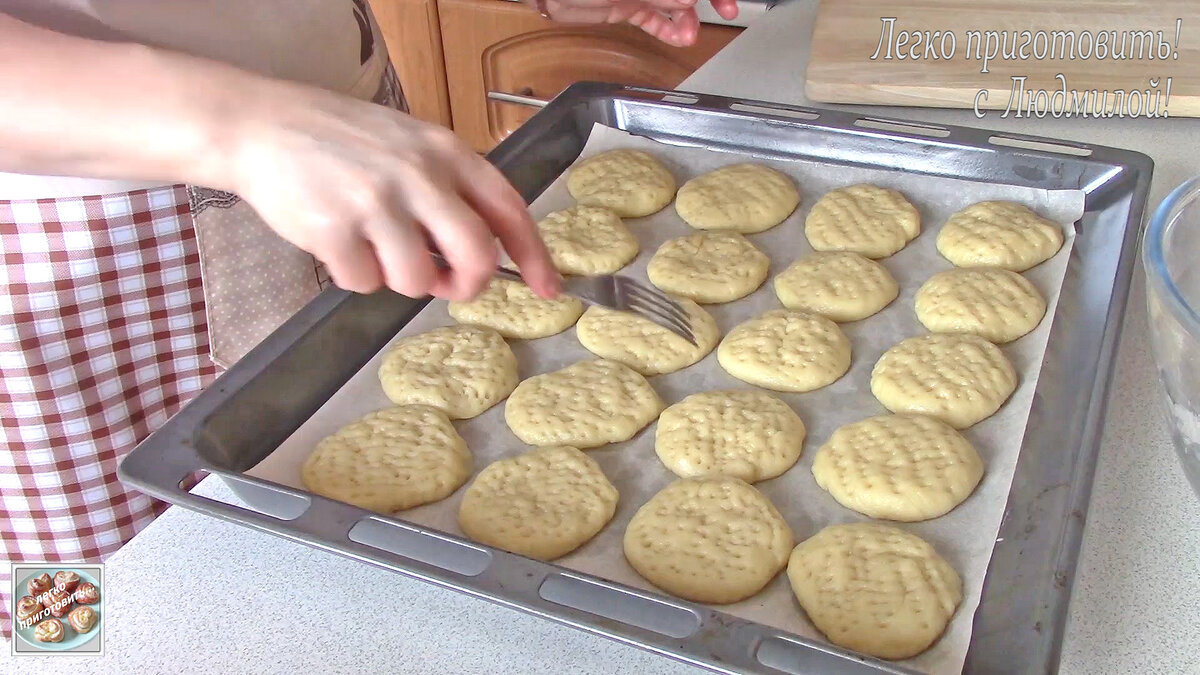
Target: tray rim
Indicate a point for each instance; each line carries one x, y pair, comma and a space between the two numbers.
171, 448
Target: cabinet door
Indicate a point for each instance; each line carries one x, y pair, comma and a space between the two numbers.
491, 45
414, 41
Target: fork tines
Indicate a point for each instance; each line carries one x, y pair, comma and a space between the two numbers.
654, 305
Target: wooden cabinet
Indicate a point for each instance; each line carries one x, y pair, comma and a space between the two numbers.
496, 45
414, 40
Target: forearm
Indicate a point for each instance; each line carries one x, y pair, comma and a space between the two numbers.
77, 107
363, 187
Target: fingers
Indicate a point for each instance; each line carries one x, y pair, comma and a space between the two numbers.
460, 234
403, 257
679, 27
351, 262
562, 10
673, 21
682, 30
504, 210
727, 9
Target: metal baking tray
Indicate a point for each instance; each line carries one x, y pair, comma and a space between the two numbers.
1018, 627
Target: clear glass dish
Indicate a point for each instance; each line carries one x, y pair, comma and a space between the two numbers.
1171, 256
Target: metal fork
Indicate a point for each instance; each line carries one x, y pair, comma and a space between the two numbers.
620, 293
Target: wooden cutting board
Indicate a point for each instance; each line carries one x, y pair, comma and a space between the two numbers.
947, 72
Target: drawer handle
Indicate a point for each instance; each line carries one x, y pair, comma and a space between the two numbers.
519, 99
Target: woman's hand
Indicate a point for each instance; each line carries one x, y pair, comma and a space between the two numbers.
365, 189
672, 21
369, 191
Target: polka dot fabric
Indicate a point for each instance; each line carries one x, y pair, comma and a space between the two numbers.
254, 280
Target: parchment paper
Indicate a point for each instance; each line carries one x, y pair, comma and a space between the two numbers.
965, 536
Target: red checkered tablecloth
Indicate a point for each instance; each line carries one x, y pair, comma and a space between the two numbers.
102, 338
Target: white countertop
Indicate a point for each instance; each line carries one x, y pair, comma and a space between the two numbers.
191, 594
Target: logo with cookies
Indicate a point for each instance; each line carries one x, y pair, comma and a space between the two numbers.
57, 609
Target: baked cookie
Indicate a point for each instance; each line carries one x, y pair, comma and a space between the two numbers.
587, 240
715, 540
50, 630
749, 435
39, 584
959, 379
66, 581
27, 608
866, 219
642, 344
631, 183
993, 303
83, 619
514, 311
786, 350
87, 594
740, 197
543, 503
57, 602
584, 405
874, 589
460, 370
999, 234
898, 467
709, 267
390, 460
839, 285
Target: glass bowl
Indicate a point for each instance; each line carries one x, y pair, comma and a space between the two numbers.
1171, 257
